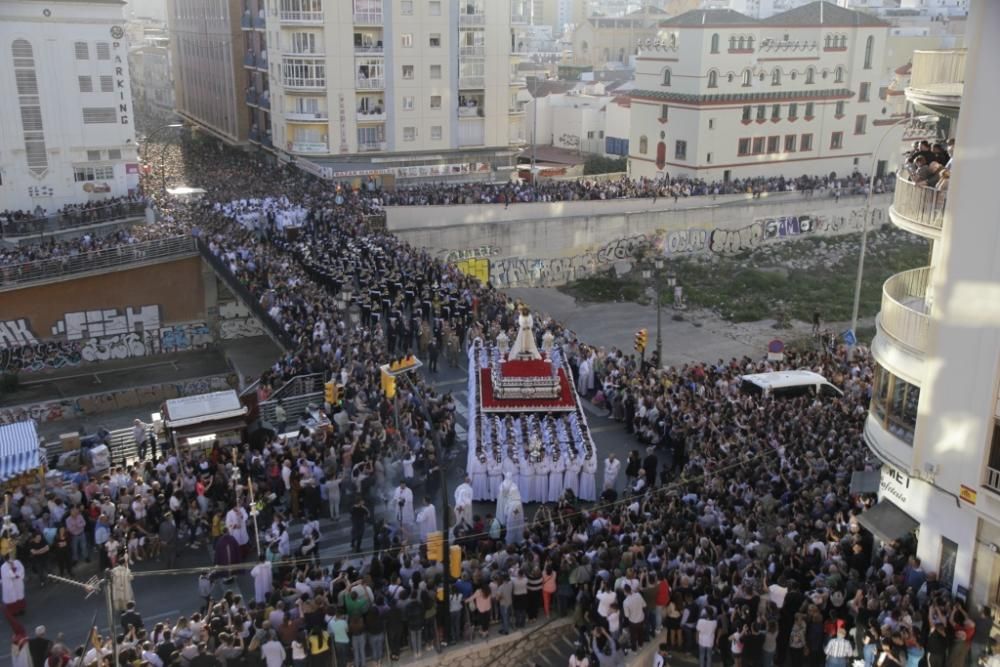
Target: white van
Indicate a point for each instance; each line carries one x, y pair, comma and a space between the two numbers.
788, 384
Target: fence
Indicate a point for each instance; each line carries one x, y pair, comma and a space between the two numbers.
918, 204
904, 313
243, 294
39, 226
96, 260
295, 395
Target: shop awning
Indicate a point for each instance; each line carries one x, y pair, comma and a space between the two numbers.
192, 410
865, 481
209, 427
18, 449
887, 522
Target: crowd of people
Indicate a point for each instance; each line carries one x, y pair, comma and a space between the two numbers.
745, 547
22, 223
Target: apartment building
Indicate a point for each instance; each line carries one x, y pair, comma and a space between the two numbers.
67, 134
411, 89
934, 419
720, 95
206, 42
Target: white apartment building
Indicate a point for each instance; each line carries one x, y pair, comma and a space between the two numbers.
934, 419
415, 89
67, 133
720, 95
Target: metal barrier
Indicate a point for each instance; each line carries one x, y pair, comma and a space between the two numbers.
96, 260
244, 295
295, 395
121, 446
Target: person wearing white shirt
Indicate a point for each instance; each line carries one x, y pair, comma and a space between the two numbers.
426, 519
706, 628
611, 467
273, 652
634, 607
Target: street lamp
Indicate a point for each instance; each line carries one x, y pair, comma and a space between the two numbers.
868, 208
647, 274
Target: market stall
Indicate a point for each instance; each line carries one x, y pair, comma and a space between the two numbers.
21, 458
198, 421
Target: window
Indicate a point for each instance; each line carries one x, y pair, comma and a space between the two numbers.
590, 134
93, 173
107, 84
93, 156
715, 43
793, 111
790, 143
869, 51
408, 102
103, 51
836, 140
99, 115
761, 112
409, 133
860, 124
708, 158
711, 123
775, 112
864, 91
371, 137
758, 145
747, 114
713, 79
407, 71
810, 75
435, 101
680, 150
30, 106
839, 109
435, 132
806, 143
434, 9
809, 110
435, 71
435, 40
743, 148
643, 145
115, 154
406, 39
82, 50
776, 77
747, 75
406, 7
773, 144
86, 84
664, 111
838, 75
304, 42
894, 404
666, 77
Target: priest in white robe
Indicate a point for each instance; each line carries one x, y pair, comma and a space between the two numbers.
585, 376
557, 468
262, 579
402, 505
463, 503
588, 478
571, 478
426, 519
526, 481
514, 520
236, 522
478, 478
507, 489
12, 580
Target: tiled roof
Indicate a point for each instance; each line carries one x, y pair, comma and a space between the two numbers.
735, 98
697, 17
824, 13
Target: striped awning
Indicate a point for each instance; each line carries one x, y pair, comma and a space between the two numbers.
18, 449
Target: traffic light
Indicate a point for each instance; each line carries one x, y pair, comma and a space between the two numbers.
331, 393
641, 337
435, 546
455, 561
388, 385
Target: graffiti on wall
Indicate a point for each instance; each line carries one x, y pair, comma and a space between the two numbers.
482, 252
523, 272
96, 336
236, 321
70, 408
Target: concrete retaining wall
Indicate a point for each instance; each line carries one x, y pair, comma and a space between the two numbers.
552, 249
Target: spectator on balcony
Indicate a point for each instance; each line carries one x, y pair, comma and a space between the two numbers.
931, 176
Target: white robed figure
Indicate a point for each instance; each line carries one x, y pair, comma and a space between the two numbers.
12, 578
557, 468
479, 479
236, 522
262, 579
524, 345
121, 586
402, 504
514, 520
571, 478
507, 488
541, 490
509, 468
426, 520
585, 376
588, 479
463, 503
526, 481
495, 473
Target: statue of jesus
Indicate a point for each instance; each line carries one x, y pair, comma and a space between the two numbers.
524, 345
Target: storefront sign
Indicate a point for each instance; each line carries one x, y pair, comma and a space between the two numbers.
967, 494
895, 485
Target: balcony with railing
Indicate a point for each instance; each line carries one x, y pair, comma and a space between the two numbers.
477, 51
371, 146
308, 147
368, 18
246, 21
306, 116
250, 60
370, 83
301, 17
918, 208
251, 97
305, 82
368, 42
374, 114
905, 314
472, 81
259, 22
471, 18
937, 78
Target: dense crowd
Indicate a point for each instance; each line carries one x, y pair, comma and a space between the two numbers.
21, 223
745, 547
